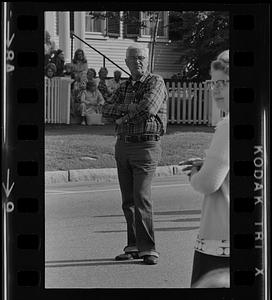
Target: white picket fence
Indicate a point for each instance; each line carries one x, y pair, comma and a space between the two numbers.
57, 100
188, 103
191, 103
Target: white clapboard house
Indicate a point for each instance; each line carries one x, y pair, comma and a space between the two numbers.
189, 103
111, 37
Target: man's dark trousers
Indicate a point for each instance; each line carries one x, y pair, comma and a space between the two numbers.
136, 165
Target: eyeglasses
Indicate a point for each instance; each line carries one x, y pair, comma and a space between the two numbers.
141, 58
218, 84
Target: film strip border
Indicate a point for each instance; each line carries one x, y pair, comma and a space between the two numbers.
248, 156
23, 154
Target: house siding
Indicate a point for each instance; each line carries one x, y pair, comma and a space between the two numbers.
167, 58
115, 49
166, 62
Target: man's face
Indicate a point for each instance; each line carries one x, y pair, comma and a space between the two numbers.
137, 62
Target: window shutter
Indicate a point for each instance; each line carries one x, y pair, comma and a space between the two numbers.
57, 23
72, 22
161, 29
113, 24
132, 26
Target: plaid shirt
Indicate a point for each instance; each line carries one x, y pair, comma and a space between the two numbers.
150, 96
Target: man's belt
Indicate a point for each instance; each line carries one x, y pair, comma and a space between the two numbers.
138, 138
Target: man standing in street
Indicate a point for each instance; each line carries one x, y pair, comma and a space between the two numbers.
139, 107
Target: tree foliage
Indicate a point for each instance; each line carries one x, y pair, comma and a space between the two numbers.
200, 37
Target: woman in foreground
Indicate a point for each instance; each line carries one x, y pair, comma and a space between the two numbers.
211, 178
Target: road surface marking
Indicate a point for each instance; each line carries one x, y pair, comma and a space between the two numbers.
107, 190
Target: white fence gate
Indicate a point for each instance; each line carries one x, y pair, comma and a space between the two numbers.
57, 100
191, 103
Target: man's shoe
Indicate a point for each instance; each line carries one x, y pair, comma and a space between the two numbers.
127, 256
150, 259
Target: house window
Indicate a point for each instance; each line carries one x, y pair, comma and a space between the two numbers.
131, 23
113, 23
95, 22
148, 19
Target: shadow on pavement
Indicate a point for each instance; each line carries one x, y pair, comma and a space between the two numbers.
160, 213
89, 262
180, 220
176, 220
156, 229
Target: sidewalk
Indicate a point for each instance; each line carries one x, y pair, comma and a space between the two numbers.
100, 175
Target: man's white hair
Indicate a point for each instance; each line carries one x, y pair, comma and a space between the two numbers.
138, 47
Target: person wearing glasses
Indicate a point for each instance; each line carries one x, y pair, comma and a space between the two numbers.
139, 108
211, 178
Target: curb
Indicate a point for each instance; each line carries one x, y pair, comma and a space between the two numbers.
100, 175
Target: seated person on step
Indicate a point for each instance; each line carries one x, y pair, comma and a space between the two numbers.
91, 101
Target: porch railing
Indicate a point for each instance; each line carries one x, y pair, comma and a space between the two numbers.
57, 100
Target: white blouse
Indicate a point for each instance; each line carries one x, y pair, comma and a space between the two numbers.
212, 180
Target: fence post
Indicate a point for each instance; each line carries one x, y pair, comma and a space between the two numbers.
190, 103
55, 99
209, 108
206, 103
50, 110
184, 102
178, 102
173, 102
58, 107
168, 99
195, 92
200, 103
64, 91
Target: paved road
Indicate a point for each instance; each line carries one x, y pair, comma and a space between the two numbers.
85, 229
